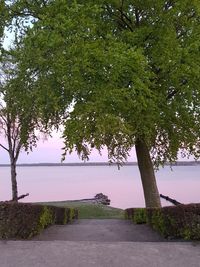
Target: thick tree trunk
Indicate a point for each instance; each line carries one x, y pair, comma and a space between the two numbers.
151, 194
14, 181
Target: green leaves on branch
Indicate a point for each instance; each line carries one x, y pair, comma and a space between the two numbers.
130, 69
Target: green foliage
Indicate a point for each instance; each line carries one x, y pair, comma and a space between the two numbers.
140, 216
46, 218
72, 214
17, 106
19, 120
64, 221
3, 20
182, 221
137, 215
131, 71
158, 222
61, 216
23, 221
176, 222
191, 230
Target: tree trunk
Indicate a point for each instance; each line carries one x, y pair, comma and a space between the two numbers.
151, 194
14, 181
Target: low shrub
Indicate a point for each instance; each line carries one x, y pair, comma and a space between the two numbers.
25, 220
129, 213
19, 220
140, 216
159, 222
137, 215
182, 221
60, 215
71, 214
75, 214
64, 215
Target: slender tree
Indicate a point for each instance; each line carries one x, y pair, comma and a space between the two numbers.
17, 122
10, 130
131, 70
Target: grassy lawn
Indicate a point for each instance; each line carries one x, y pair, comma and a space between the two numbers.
90, 210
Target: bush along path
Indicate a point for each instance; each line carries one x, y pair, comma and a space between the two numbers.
25, 220
173, 222
50, 222
98, 222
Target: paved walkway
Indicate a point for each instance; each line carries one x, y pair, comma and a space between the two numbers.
107, 243
111, 230
98, 254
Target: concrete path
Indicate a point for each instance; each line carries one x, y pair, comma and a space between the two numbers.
99, 243
98, 254
111, 230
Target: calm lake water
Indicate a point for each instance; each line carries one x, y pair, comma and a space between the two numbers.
122, 186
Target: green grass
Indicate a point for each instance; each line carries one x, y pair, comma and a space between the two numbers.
90, 210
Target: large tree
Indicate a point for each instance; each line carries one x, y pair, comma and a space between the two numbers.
131, 70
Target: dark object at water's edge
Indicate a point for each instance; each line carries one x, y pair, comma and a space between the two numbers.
173, 201
98, 199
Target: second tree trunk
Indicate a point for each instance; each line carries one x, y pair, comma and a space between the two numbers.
14, 181
151, 194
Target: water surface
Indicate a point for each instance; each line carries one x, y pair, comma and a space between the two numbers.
122, 186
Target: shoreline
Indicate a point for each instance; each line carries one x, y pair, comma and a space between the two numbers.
85, 164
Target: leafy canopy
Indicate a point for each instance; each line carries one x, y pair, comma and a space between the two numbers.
129, 68
18, 112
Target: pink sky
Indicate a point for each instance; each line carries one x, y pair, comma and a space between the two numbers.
50, 151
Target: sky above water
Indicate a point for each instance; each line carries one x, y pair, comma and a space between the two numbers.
50, 150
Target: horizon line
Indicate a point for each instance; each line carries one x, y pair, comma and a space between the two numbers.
131, 163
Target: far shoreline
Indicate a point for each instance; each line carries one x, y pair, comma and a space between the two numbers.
88, 164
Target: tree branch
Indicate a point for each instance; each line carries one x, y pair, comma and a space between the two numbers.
125, 19
4, 147
120, 18
18, 148
9, 137
15, 134
23, 196
137, 17
170, 95
20, 197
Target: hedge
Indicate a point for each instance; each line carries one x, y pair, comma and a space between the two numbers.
137, 215
24, 220
65, 215
182, 221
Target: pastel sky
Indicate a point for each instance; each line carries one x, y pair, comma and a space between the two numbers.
50, 150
